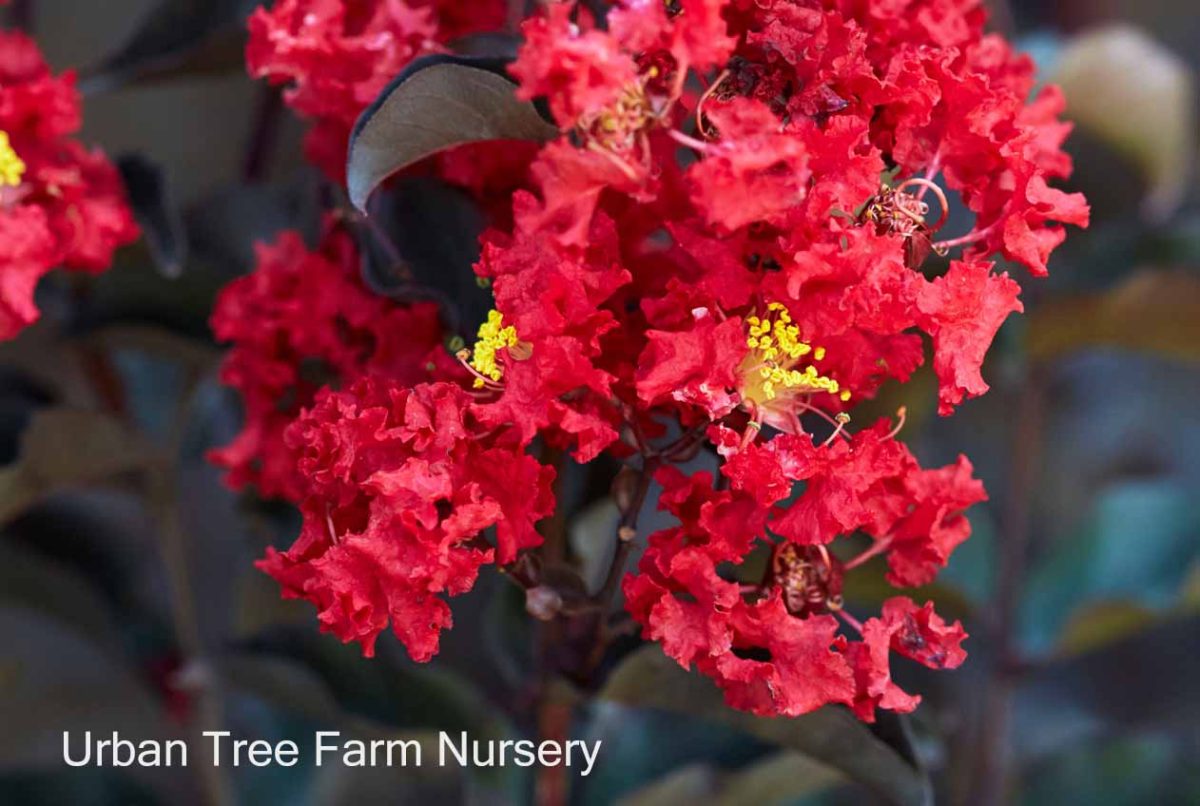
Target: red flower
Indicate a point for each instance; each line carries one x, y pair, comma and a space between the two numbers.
336, 56
962, 311
301, 320
774, 646
581, 71
403, 483
706, 259
754, 173
60, 204
916, 633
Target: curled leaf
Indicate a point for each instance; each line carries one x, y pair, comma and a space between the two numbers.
437, 102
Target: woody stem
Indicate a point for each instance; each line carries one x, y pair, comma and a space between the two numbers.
993, 770
553, 713
626, 534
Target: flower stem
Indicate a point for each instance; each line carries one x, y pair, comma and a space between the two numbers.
626, 534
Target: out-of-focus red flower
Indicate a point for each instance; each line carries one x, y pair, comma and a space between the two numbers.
300, 321
61, 204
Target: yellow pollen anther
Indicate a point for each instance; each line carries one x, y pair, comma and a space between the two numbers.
493, 337
775, 360
12, 167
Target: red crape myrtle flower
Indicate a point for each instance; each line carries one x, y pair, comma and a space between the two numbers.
300, 321
402, 481
735, 240
61, 204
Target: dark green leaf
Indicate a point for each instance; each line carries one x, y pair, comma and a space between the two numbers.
173, 35
224, 228
63, 447
1137, 545
434, 229
1125, 770
429, 783
438, 102
1146, 680
52, 588
86, 787
489, 44
384, 689
780, 778
53, 679
159, 217
831, 735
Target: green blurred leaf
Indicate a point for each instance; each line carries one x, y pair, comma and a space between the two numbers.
436, 103
591, 536
1131, 770
1154, 310
1137, 545
831, 735
52, 679
337, 785
388, 690
694, 783
1144, 681
780, 778
55, 590
868, 587
1100, 623
176, 36
65, 447
156, 211
282, 682
84, 787
972, 566
1134, 94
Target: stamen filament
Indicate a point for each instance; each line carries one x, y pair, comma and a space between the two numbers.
700, 104
690, 142
877, 548
937, 191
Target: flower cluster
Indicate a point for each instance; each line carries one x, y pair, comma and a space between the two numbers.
734, 241
301, 321
402, 481
61, 204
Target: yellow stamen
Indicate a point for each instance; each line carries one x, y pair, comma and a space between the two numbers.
12, 167
777, 352
493, 337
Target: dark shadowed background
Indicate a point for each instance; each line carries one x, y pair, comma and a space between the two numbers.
128, 600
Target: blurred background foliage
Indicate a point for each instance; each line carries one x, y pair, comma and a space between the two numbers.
128, 600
